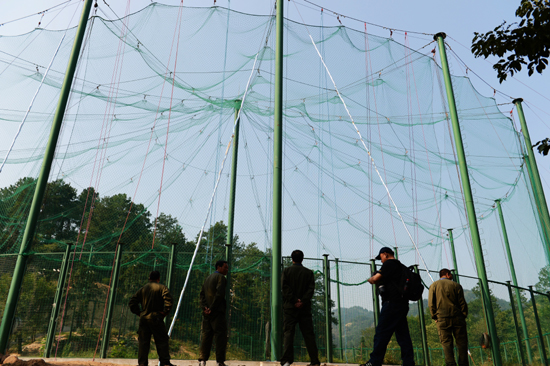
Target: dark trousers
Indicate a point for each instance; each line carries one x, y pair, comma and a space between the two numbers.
393, 319
291, 317
447, 328
154, 326
213, 325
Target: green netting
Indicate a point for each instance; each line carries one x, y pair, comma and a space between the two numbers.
138, 159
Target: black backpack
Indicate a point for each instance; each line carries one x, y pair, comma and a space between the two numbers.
410, 284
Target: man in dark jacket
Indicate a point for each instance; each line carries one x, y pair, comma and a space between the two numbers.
156, 302
214, 323
393, 316
449, 309
298, 284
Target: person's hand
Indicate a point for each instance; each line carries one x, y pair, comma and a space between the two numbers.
299, 304
206, 311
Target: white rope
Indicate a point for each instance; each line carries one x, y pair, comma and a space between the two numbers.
367, 149
212, 198
30, 106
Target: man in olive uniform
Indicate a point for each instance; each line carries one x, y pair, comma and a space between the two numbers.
298, 285
214, 323
449, 309
156, 302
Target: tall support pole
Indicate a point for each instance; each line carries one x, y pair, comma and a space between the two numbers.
18, 272
276, 261
328, 308
57, 301
514, 281
542, 349
396, 252
111, 303
423, 327
170, 271
453, 251
231, 214
375, 302
518, 334
339, 310
469, 201
540, 199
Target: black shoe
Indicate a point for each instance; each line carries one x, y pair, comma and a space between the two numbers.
366, 364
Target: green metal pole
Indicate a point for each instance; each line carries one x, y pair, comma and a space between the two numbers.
231, 217
518, 334
514, 281
170, 270
276, 261
339, 311
57, 301
375, 302
111, 303
422, 327
17, 279
542, 349
328, 309
396, 253
453, 251
540, 199
469, 201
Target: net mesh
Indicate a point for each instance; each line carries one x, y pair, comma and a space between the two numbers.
148, 124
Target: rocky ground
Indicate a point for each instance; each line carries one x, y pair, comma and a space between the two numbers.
13, 360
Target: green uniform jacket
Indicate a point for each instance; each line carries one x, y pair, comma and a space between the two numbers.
153, 298
298, 282
213, 292
446, 300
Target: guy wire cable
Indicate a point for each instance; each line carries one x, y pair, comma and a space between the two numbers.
366, 148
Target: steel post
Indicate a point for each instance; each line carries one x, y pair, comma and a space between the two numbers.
375, 301
540, 199
518, 334
111, 302
276, 261
542, 349
170, 271
514, 280
422, 327
57, 301
18, 272
328, 308
339, 310
469, 201
453, 252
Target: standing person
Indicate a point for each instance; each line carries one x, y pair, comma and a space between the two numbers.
393, 316
449, 309
298, 285
214, 323
155, 301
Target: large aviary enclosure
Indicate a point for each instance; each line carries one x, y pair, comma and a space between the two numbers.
143, 167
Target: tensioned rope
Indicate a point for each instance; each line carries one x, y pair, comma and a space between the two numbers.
212, 197
366, 148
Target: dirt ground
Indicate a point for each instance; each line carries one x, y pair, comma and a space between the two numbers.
12, 360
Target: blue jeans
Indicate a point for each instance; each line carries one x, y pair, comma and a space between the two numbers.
393, 319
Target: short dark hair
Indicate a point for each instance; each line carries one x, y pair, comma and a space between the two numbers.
297, 256
444, 272
154, 275
220, 263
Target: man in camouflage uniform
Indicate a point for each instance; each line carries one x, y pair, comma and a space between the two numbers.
449, 309
155, 301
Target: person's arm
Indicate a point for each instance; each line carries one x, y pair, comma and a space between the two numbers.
168, 300
375, 279
220, 292
202, 298
432, 302
134, 303
462, 302
308, 295
288, 295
